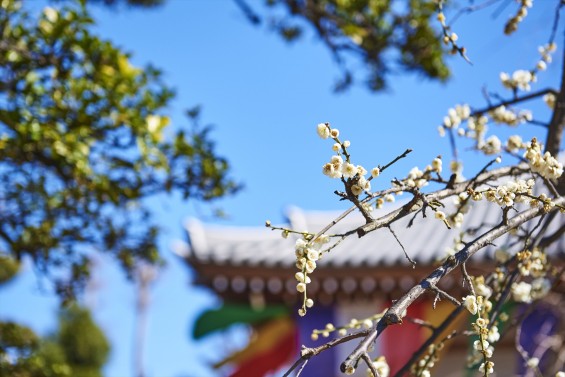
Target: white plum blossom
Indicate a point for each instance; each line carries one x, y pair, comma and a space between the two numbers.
364, 183
549, 100
540, 288
521, 292
506, 81
546, 165
356, 189
458, 220
522, 79
361, 170
488, 368
483, 290
323, 130
389, 198
456, 115
532, 362
492, 145
349, 170
514, 143
493, 334
480, 345
470, 303
437, 164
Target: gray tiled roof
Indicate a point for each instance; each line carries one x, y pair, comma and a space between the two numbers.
426, 241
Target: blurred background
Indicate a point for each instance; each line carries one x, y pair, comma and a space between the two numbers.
264, 96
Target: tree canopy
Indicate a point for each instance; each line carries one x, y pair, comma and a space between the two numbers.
84, 139
387, 36
77, 348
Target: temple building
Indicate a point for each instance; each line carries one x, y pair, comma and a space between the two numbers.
252, 270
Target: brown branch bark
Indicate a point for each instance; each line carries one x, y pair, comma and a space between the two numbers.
307, 353
555, 134
416, 203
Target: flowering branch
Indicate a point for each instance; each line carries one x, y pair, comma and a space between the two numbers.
397, 311
306, 353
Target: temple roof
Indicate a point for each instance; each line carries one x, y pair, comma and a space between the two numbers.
256, 255
426, 241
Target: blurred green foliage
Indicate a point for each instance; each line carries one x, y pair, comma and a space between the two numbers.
83, 141
78, 349
130, 3
386, 36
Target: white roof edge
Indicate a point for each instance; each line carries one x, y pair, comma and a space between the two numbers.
196, 234
180, 248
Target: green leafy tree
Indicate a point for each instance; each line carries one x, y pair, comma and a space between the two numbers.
79, 348
387, 36
83, 141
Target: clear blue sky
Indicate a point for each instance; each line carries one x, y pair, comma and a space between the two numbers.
265, 98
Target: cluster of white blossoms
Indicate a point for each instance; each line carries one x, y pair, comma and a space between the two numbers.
482, 348
512, 24
339, 168
545, 52
527, 292
532, 263
488, 334
503, 115
307, 254
456, 115
428, 361
544, 164
471, 304
521, 79
517, 191
477, 127
417, 178
535, 264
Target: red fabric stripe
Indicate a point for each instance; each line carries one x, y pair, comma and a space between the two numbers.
401, 341
271, 360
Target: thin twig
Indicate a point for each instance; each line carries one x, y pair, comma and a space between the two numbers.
420, 322
402, 246
370, 364
467, 278
515, 100
440, 292
307, 353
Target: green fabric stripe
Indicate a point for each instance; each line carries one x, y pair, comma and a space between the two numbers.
229, 314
